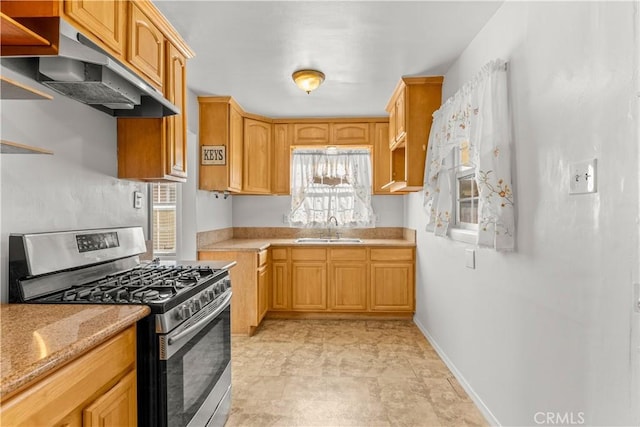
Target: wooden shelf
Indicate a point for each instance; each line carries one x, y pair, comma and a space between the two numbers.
14, 33
11, 89
8, 147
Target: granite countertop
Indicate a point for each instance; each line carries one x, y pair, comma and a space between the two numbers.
240, 245
39, 338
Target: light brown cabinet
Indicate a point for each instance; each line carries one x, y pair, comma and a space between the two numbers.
257, 157
155, 149
343, 280
280, 283
251, 283
410, 116
146, 46
221, 125
281, 160
115, 407
308, 279
348, 279
105, 19
350, 134
311, 133
98, 388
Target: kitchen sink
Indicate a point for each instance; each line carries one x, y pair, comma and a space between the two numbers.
323, 240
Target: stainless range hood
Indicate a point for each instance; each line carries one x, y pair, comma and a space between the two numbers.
86, 73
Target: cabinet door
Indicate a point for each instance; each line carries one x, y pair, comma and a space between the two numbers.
309, 286
175, 92
310, 133
105, 19
392, 287
392, 126
146, 46
281, 286
263, 291
381, 158
281, 159
235, 154
348, 286
401, 128
117, 407
350, 133
257, 156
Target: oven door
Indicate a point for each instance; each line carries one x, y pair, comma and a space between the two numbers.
195, 377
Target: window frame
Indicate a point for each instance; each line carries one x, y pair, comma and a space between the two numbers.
458, 230
163, 206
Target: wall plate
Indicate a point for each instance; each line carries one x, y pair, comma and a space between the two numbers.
137, 200
582, 178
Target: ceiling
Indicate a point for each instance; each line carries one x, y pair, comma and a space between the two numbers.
250, 49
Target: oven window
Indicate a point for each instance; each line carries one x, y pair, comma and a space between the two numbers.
194, 371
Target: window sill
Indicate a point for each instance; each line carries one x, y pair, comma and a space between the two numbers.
462, 235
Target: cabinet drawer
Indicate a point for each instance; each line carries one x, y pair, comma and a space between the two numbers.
279, 253
309, 254
348, 254
395, 254
262, 258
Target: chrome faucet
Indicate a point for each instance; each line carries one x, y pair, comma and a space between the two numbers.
329, 226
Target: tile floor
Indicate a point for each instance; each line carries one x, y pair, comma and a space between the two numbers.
344, 373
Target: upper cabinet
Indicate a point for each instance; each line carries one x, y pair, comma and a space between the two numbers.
257, 157
139, 36
106, 20
146, 46
281, 164
221, 144
311, 133
410, 115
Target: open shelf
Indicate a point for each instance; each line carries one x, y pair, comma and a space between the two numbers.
8, 147
15, 34
11, 89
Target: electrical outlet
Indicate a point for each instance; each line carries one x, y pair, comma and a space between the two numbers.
582, 178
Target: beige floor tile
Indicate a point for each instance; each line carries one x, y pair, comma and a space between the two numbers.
343, 373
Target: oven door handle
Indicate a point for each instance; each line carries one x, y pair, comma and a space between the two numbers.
177, 337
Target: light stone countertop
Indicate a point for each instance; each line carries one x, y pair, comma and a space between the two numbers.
37, 339
241, 245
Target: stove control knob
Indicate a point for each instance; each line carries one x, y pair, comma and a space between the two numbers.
183, 312
211, 294
204, 298
196, 304
227, 283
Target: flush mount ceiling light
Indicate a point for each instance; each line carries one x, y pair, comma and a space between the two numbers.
308, 80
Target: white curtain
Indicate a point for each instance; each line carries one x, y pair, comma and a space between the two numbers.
326, 184
476, 120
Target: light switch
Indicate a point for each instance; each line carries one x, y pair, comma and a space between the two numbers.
470, 257
137, 200
582, 177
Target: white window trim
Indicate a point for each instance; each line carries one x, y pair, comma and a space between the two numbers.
461, 232
166, 206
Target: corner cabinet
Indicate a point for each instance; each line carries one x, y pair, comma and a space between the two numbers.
97, 389
410, 116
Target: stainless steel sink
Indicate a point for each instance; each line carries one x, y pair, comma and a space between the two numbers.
322, 240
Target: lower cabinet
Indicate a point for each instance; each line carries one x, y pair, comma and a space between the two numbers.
97, 389
280, 284
250, 283
348, 286
308, 285
392, 287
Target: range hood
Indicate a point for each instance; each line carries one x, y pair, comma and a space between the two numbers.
86, 73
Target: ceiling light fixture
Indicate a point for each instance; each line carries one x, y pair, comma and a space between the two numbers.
308, 80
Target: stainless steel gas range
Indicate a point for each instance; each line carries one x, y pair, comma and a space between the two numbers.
184, 347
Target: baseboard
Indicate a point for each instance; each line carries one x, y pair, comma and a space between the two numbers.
488, 415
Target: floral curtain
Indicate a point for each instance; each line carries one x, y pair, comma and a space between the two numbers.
474, 121
326, 183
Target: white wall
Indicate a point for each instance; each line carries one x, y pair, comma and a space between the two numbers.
547, 328
74, 188
268, 211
